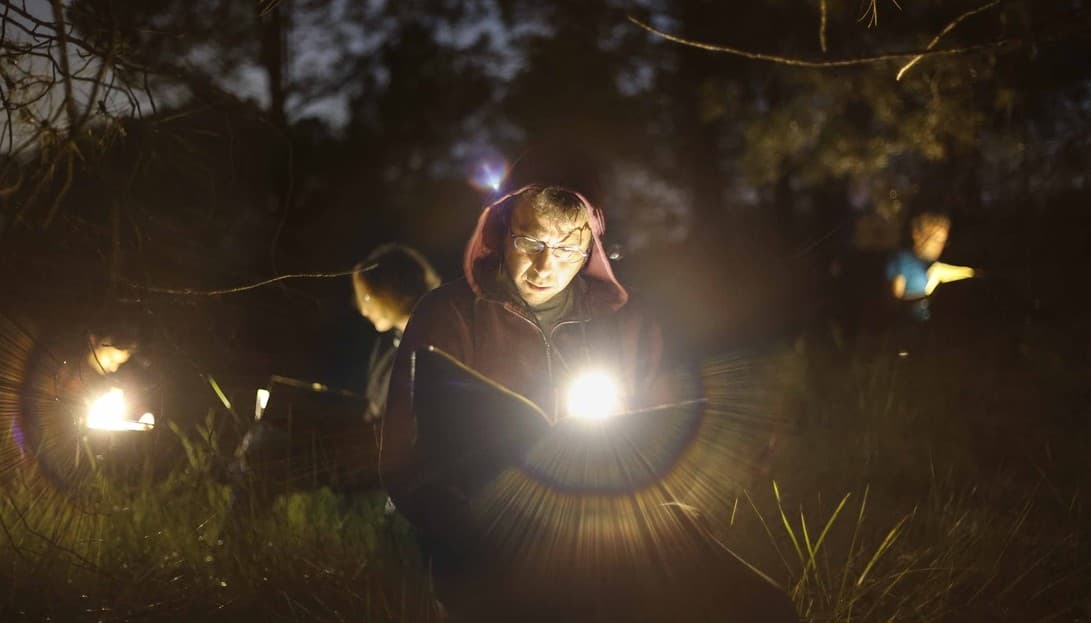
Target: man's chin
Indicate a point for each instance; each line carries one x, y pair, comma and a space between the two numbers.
537, 297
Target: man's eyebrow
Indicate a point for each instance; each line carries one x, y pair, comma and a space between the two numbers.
578, 230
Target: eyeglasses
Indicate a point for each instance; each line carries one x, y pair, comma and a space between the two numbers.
533, 246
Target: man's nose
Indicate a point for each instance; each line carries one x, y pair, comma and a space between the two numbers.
543, 262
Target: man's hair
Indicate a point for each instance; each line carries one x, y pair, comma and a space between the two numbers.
397, 274
928, 221
553, 203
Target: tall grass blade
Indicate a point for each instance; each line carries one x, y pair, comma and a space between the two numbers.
787, 524
888, 541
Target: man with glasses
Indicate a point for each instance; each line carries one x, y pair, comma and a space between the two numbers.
538, 305
572, 518
550, 240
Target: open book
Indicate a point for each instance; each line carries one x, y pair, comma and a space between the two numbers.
580, 513
470, 429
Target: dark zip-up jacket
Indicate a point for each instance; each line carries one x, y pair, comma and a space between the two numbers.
380, 365
548, 551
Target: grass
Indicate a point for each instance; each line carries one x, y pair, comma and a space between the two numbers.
956, 488
957, 564
176, 548
897, 497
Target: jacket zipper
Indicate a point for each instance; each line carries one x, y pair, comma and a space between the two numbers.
548, 354
547, 343
545, 340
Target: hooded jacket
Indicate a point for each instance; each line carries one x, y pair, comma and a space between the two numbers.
475, 321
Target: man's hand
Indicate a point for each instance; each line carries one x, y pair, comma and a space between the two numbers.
898, 286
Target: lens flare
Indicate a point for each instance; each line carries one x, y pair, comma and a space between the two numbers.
51, 466
110, 412
107, 410
593, 396
629, 506
489, 176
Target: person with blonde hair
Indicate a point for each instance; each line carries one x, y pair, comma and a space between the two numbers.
914, 274
335, 449
386, 286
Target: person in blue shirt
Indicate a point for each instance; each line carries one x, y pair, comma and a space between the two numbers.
915, 273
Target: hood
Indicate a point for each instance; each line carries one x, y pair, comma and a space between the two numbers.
486, 248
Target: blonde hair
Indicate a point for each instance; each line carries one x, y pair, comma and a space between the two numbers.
556, 203
928, 222
397, 274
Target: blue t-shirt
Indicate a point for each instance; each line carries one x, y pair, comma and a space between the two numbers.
915, 270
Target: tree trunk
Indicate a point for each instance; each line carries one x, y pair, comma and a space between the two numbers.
273, 30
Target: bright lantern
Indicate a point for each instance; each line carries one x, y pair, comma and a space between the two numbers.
109, 411
593, 396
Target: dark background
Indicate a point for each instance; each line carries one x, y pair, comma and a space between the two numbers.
158, 151
294, 137
212, 145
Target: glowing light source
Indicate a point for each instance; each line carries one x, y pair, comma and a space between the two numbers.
109, 412
261, 402
593, 396
489, 176
939, 273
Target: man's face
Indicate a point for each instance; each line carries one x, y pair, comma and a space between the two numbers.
382, 315
541, 276
106, 359
929, 241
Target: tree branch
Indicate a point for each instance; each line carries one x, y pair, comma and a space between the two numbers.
62, 41
252, 286
847, 62
943, 33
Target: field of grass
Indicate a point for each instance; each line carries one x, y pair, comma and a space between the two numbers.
177, 549
946, 485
